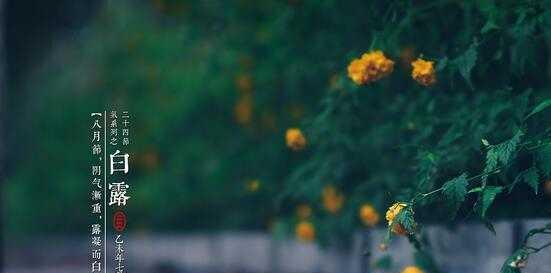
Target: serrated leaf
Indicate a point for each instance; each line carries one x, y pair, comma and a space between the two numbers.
507, 149
529, 176
487, 197
454, 191
502, 153
466, 62
532, 179
425, 171
543, 159
540, 107
490, 163
405, 218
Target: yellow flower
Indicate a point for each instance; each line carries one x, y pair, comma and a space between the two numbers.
253, 185
412, 269
305, 231
332, 200
304, 211
372, 66
547, 187
423, 72
295, 139
243, 110
369, 215
391, 214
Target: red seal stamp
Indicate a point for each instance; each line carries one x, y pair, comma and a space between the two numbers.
119, 221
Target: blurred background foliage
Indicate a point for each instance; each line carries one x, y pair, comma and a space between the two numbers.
212, 87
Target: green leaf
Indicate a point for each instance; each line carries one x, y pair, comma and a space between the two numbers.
540, 107
509, 266
487, 197
454, 191
523, 49
477, 189
529, 176
543, 160
502, 153
405, 218
426, 170
466, 62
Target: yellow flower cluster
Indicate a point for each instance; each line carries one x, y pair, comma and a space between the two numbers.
295, 139
412, 269
369, 215
304, 211
423, 72
305, 231
391, 214
332, 199
371, 67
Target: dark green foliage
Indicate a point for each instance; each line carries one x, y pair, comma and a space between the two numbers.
486, 198
392, 140
454, 192
466, 62
529, 176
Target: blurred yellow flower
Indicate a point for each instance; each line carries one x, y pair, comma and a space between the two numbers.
244, 83
332, 199
253, 185
369, 215
391, 214
295, 139
243, 110
305, 231
412, 269
372, 66
304, 211
423, 72
547, 187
